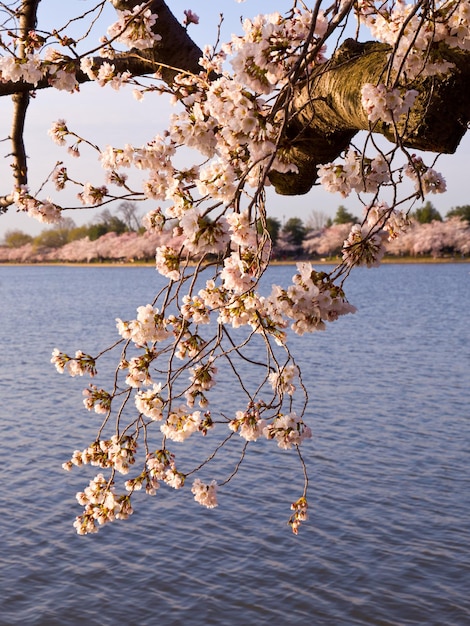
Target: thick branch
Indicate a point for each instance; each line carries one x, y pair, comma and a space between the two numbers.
176, 49
27, 22
175, 52
326, 112
21, 102
19, 164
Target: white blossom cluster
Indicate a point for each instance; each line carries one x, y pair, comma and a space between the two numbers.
180, 424
272, 46
282, 380
134, 28
300, 514
149, 327
363, 247
249, 424
415, 34
356, 173
384, 104
150, 403
96, 399
105, 74
138, 369
32, 69
205, 494
202, 379
101, 505
160, 467
78, 365
426, 179
42, 210
116, 452
310, 301
365, 242
393, 221
288, 430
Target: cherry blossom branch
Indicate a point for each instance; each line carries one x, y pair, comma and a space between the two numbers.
321, 121
175, 52
284, 108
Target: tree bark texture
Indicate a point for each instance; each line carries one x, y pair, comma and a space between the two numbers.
325, 111
27, 22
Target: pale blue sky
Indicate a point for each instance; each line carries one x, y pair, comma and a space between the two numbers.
110, 118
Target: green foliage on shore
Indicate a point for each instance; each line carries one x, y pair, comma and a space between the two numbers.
67, 231
460, 211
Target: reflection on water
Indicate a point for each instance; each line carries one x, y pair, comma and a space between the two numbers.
387, 541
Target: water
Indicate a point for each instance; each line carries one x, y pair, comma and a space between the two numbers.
388, 535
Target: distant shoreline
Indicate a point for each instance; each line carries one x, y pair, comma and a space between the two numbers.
385, 261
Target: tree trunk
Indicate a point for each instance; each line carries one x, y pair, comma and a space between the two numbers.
326, 112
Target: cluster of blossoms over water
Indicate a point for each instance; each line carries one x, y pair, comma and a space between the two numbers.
232, 117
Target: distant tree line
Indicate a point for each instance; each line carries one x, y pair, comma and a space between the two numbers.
120, 237
323, 236
67, 231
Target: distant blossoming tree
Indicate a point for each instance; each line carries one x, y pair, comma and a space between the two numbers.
436, 238
279, 104
329, 241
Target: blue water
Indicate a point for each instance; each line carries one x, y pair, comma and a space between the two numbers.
387, 542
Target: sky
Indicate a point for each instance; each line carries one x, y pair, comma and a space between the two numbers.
116, 118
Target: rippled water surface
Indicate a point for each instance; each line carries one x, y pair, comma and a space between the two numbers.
388, 538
